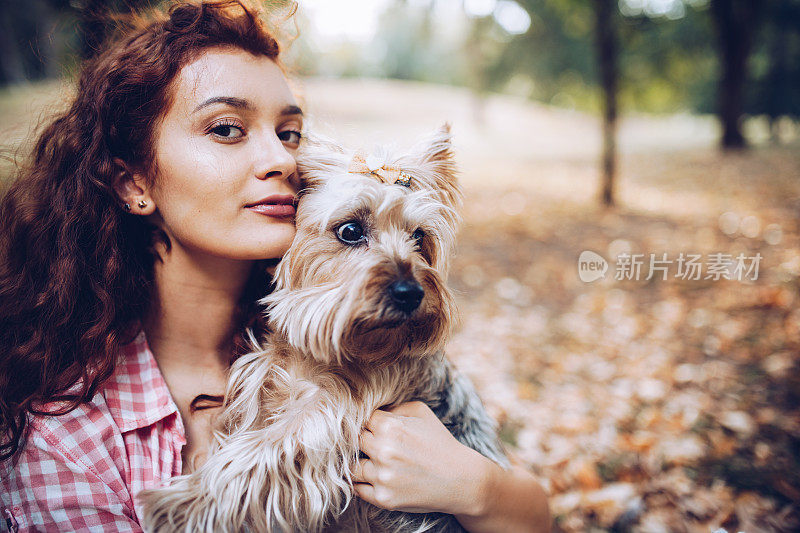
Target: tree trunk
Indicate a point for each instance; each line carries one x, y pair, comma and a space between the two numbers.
735, 22
607, 63
778, 86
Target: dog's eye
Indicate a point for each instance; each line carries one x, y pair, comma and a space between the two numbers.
350, 233
418, 235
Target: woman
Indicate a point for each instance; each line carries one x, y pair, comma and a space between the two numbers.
132, 251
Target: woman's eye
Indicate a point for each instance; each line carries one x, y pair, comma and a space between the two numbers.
350, 233
418, 235
227, 131
290, 136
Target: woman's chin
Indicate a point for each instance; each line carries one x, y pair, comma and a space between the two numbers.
272, 243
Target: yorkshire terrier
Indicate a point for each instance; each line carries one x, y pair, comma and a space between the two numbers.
358, 319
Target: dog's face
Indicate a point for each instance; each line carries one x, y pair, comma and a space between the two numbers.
365, 278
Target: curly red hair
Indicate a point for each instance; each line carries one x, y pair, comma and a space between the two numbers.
76, 271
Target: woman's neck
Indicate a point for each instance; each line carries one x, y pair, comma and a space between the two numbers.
191, 321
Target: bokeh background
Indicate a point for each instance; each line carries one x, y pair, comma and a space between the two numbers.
620, 127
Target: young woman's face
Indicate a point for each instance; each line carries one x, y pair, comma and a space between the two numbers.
225, 179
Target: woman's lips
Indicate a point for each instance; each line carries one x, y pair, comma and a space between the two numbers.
273, 210
275, 206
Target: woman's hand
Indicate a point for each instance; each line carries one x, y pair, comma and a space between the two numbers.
416, 465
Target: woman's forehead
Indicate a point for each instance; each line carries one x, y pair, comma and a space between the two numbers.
220, 73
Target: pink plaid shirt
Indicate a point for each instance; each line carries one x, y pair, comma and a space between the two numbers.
81, 471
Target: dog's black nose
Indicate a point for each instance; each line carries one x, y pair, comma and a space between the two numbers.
406, 295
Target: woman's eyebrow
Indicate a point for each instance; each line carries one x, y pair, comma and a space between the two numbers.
228, 100
243, 103
291, 110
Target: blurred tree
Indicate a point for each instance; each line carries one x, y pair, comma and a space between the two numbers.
735, 22
96, 20
406, 34
31, 37
40, 37
481, 49
669, 64
411, 48
555, 56
775, 65
12, 62
605, 33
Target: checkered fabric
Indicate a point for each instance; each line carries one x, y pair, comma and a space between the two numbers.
81, 471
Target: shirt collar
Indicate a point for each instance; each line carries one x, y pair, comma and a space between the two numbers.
136, 394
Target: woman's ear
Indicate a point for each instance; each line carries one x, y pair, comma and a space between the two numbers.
132, 189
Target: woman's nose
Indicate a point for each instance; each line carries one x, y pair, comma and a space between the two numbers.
274, 160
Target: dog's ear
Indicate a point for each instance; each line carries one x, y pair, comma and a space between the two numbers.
434, 157
317, 159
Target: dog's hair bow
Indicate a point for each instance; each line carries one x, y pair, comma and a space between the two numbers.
372, 165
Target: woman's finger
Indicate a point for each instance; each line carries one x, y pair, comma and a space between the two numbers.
415, 408
364, 471
366, 442
365, 491
379, 419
